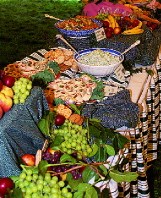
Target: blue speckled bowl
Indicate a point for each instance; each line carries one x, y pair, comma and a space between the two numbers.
81, 33
99, 71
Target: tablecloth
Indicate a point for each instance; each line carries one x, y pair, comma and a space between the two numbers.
19, 133
144, 138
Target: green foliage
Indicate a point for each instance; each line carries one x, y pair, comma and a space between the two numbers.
88, 174
45, 76
98, 92
76, 109
16, 193
67, 158
24, 29
123, 176
45, 124
42, 167
107, 140
57, 141
73, 183
54, 66
58, 101
85, 191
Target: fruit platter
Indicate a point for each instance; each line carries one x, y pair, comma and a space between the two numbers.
80, 156
125, 25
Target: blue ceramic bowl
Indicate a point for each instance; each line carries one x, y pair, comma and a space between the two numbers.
81, 33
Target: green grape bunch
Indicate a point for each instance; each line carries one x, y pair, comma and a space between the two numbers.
35, 185
21, 88
75, 139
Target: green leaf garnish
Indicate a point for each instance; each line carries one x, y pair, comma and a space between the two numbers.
123, 176
67, 158
54, 66
110, 150
46, 76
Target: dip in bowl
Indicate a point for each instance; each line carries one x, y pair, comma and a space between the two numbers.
98, 61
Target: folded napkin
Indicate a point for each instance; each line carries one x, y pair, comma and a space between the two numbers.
115, 111
136, 85
19, 133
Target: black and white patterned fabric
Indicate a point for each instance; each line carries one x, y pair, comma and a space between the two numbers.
144, 138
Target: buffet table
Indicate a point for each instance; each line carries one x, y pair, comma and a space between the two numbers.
145, 90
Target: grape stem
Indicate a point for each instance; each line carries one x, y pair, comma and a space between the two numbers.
69, 170
78, 167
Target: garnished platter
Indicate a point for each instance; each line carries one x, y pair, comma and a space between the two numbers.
57, 72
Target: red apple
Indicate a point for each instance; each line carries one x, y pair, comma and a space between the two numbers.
127, 18
59, 120
108, 34
2, 196
148, 23
2, 73
135, 23
8, 80
105, 24
153, 26
117, 30
109, 29
28, 159
1, 112
1, 85
6, 184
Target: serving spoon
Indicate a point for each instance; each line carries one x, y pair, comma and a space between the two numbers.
131, 46
52, 17
59, 36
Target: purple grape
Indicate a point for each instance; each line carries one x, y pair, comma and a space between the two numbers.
64, 168
57, 155
80, 175
58, 169
53, 168
53, 161
75, 177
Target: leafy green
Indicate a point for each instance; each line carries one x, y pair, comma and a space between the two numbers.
67, 158
46, 76
58, 101
110, 150
85, 191
94, 150
98, 92
73, 183
54, 66
45, 124
123, 176
57, 141
122, 140
16, 193
42, 166
101, 155
88, 174
104, 169
76, 109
